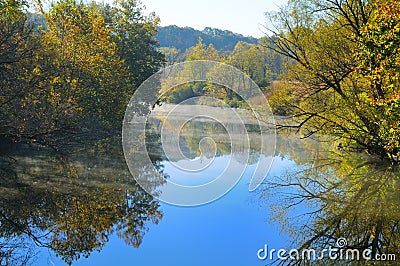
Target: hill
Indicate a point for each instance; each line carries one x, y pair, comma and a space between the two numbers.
183, 38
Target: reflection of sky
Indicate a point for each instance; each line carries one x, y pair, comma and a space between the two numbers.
210, 172
228, 231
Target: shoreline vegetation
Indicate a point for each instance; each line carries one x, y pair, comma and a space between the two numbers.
68, 69
343, 79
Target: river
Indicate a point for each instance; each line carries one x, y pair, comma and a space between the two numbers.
84, 207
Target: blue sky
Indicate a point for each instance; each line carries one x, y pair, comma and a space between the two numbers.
240, 16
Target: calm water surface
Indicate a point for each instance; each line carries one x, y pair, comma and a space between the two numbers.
84, 207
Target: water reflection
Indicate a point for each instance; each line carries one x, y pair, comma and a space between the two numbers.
70, 203
333, 195
223, 132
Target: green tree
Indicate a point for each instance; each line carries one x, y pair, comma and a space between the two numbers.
135, 35
202, 52
251, 60
322, 38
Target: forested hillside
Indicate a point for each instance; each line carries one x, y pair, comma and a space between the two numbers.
184, 38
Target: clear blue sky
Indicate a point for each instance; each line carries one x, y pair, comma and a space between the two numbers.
240, 16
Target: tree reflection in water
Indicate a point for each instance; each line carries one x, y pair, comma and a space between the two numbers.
333, 194
70, 203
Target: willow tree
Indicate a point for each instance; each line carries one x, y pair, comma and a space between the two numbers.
334, 46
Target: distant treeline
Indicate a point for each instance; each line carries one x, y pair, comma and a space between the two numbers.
245, 53
184, 38
260, 64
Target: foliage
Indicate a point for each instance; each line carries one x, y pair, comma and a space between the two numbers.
202, 52
171, 54
18, 44
184, 38
74, 75
262, 65
84, 84
344, 56
379, 62
254, 60
135, 36
281, 97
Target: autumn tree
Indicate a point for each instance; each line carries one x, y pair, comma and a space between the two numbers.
18, 44
86, 80
378, 61
74, 70
329, 42
172, 54
188, 90
203, 52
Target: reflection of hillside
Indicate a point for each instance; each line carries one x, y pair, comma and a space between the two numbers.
70, 204
190, 135
223, 131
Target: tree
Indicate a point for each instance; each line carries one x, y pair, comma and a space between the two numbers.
135, 36
85, 80
172, 55
323, 39
189, 90
74, 70
18, 76
379, 63
251, 60
202, 52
